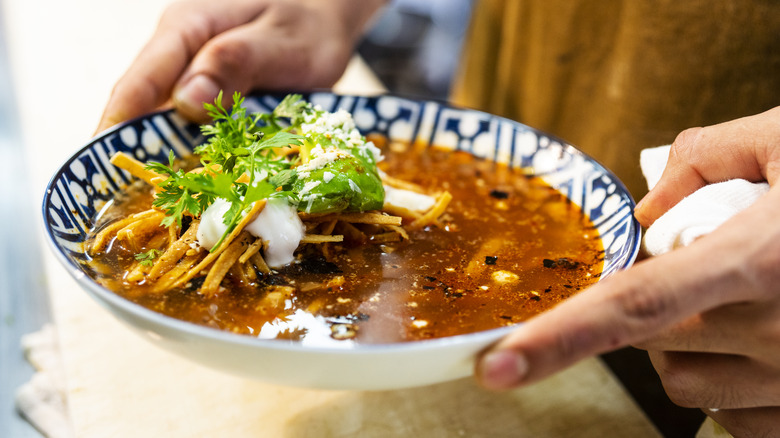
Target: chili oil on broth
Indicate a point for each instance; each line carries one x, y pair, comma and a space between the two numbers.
508, 247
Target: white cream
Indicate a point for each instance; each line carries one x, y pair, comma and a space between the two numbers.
212, 225
278, 225
280, 228
408, 199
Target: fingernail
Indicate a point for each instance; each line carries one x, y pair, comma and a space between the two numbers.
190, 97
639, 205
502, 369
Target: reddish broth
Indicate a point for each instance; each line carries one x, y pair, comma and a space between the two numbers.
509, 247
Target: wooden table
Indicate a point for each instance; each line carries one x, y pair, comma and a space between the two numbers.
65, 57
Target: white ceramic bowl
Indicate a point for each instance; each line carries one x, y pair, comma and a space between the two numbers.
87, 181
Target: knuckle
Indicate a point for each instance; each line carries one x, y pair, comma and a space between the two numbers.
646, 306
230, 56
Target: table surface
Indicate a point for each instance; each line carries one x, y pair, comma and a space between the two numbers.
58, 62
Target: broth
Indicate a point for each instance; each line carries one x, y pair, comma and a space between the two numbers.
509, 246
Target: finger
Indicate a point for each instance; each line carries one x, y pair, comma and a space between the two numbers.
755, 422
636, 304
740, 329
266, 53
744, 148
183, 29
703, 380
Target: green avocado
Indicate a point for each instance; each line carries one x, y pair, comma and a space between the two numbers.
353, 187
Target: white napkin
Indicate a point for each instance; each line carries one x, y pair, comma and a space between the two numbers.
42, 400
698, 214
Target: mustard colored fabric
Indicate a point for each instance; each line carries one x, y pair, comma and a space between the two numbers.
615, 76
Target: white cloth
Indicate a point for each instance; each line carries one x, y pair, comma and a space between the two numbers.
698, 214
42, 399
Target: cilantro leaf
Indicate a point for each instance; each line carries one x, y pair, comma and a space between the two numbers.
147, 258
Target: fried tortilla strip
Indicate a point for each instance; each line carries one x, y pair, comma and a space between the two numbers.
401, 184
322, 238
134, 167
401, 211
175, 251
400, 231
209, 259
136, 232
166, 281
102, 238
251, 250
224, 263
260, 263
373, 218
432, 215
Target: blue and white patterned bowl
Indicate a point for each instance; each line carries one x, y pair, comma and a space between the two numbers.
87, 181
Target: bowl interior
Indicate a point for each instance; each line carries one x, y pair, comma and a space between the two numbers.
83, 185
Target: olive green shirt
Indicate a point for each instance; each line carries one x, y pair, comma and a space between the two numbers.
615, 76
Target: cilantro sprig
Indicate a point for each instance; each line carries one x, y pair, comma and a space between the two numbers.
239, 147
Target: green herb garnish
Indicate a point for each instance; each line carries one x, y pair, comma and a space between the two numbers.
242, 165
147, 258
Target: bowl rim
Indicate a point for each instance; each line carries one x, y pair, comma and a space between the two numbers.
104, 296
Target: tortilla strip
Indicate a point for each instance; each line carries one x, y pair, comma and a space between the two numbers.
322, 238
102, 238
260, 263
400, 230
134, 167
131, 234
401, 184
390, 236
251, 250
256, 209
175, 251
433, 214
401, 211
224, 263
166, 280
373, 218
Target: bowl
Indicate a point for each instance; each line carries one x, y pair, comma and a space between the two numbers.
85, 182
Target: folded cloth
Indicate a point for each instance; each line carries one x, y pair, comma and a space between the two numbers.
42, 400
698, 214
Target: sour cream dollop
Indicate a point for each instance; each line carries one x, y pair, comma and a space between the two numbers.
278, 225
280, 228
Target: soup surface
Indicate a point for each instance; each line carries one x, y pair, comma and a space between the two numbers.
508, 247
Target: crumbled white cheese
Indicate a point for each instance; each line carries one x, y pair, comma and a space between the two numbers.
309, 186
354, 186
327, 176
408, 199
320, 158
375, 151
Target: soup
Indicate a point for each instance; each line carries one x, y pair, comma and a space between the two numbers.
507, 247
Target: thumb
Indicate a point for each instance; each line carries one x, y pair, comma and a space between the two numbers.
271, 53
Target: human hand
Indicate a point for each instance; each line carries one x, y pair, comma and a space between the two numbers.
709, 313
201, 47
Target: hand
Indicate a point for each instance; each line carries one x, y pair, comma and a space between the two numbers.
202, 46
709, 313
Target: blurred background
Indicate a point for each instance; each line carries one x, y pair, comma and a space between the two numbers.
414, 45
